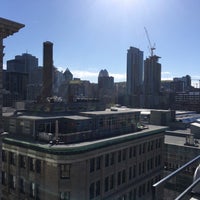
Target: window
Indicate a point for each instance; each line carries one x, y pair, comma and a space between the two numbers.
106, 160
130, 173
140, 168
12, 158
22, 161
111, 181
119, 156
65, 195
124, 176
92, 163
119, 178
112, 158
38, 166
4, 156
130, 152
98, 163
144, 148
97, 188
130, 195
151, 163
159, 160
148, 186
3, 178
32, 189
143, 167
149, 146
124, 154
156, 143
31, 164
106, 182
148, 164
91, 191
12, 181
21, 185
140, 191
159, 143
65, 171
152, 143
143, 189
140, 149
134, 171
134, 151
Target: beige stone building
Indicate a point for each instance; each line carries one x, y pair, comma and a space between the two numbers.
122, 166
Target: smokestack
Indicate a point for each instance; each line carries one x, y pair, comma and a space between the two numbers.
47, 69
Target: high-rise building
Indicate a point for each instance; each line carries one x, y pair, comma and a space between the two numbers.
47, 69
134, 76
24, 63
106, 88
152, 81
152, 75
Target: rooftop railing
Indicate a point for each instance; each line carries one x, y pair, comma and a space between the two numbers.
158, 187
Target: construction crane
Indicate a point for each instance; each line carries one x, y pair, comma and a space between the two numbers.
152, 48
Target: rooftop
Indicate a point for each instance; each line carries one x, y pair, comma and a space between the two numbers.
81, 147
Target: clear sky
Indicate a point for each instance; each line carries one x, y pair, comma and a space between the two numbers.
90, 35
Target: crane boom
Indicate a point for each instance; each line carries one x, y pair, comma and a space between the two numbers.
152, 48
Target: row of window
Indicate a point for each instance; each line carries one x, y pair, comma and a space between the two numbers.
125, 175
11, 181
34, 165
23, 161
122, 155
143, 189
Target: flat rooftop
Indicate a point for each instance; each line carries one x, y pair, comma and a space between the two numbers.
77, 148
179, 141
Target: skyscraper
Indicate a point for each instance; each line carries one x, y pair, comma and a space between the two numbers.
134, 76
152, 82
47, 69
106, 88
24, 63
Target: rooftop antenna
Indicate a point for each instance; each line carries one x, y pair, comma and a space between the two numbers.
152, 48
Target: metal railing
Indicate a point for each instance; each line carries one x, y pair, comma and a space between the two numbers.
157, 186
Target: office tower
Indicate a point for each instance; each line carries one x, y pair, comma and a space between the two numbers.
7, 28
24, 63
106, 88
134, 76
99, 155
152, 81
19, 76
47, 69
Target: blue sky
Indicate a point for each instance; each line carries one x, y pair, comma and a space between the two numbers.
90, 35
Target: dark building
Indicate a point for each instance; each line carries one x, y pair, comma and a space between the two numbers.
47, 70
120, 93
106, 88
17, 85
134, 76
182, 84
34, 87
152, 82
24, 63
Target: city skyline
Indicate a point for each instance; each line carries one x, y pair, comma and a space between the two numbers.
89, 36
